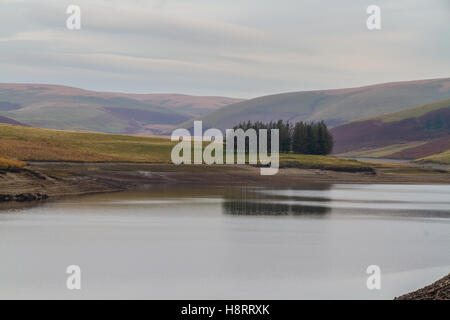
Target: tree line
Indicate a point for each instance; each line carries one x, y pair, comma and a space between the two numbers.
301, 137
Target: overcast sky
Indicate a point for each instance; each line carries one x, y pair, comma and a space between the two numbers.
241, 48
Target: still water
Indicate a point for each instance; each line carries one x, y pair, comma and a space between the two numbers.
193, 242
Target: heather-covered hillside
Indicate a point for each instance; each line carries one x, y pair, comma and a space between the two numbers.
410, 134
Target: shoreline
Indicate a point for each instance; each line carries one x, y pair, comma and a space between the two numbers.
439, 290
60, 179
56, 180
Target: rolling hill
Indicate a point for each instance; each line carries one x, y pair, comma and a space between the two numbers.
28, 143
413, 133
9, 121
335, 107
441, 158
61, 107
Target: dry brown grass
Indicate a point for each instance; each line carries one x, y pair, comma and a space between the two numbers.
54, 145
6, 163
41, 151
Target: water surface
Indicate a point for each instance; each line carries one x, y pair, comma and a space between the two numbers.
189, 242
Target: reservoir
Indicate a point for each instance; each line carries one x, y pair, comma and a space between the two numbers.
221, 242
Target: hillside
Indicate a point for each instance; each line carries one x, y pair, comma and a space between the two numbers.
409, 134
9, 121
335, 107
443, 157
26, 143
60, 107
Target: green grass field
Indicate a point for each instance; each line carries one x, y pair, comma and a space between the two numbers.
323, 162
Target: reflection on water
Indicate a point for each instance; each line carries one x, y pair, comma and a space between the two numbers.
369, 200
247, 202
18, 207
222, 242
247, 208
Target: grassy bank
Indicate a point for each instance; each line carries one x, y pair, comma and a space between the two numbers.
30, 144
440, 158
34, 144
303, 161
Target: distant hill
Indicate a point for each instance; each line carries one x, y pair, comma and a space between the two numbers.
9, 121
441, 158
409, 134
335, 107
61, 107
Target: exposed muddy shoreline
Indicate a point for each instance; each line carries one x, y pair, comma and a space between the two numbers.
40, 180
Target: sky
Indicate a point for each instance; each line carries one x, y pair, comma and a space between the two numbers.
236, 48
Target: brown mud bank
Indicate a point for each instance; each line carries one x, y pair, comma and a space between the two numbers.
55, 179
440, 290
22, 197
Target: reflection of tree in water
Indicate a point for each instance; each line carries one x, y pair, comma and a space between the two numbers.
258, 204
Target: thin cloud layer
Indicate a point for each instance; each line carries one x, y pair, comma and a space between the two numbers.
241, 48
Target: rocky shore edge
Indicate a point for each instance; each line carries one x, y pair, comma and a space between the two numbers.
23, 197
440, 290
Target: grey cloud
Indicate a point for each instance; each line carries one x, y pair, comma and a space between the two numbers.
235, 47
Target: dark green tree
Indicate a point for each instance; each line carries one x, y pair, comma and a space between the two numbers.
306, 138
